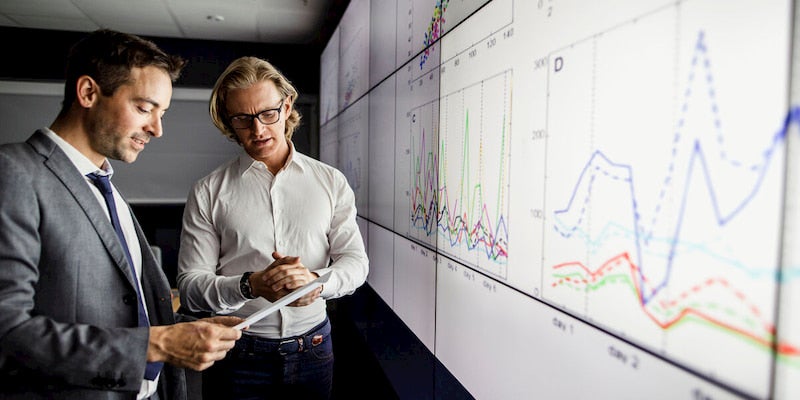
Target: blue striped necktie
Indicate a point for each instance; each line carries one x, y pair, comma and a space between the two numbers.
104, 184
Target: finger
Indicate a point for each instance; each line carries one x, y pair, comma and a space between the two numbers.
228, 335
280, 273
208, 361
307, 299
275, 270
273, 273
291, 260
217, 336
281, 259
215, 350
292, 279
279, 266
226, 320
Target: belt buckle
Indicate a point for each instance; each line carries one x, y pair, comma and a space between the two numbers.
299, 342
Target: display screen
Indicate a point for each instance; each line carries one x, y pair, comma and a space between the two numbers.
576, 199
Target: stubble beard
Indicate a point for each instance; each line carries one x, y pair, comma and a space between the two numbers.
111, 144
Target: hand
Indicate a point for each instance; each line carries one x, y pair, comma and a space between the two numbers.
307, 299
258, 280
281, 277
196, 345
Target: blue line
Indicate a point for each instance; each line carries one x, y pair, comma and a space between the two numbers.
599, 163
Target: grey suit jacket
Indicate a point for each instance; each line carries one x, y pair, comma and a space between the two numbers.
68, 308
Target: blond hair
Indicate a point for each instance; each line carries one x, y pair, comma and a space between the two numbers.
241, 74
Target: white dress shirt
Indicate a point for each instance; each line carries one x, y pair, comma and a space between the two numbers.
85, 167
240, 213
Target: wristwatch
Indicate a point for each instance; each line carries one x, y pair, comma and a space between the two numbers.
244, 286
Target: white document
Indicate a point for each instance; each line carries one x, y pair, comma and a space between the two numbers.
285, 300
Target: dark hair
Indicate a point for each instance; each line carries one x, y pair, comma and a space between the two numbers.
108, 57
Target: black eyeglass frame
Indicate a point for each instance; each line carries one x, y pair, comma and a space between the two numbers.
252, 117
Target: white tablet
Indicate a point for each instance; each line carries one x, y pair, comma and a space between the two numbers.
285, 300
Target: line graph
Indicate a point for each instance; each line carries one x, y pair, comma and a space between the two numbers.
423, 22
353, 153
424, 174
473, 173
353, 53
656, 191
434, 31
416, 164
329, 79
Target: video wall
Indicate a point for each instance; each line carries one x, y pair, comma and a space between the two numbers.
579, 199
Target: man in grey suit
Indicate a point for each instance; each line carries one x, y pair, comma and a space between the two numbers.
70, 304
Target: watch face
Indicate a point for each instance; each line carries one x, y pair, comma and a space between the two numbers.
244, 286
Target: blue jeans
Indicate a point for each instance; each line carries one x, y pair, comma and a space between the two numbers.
299, 367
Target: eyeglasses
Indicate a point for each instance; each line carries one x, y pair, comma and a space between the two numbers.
267, 117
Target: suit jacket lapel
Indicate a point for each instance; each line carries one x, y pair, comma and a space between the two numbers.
61, 166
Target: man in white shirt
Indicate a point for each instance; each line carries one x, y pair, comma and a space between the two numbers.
260, 226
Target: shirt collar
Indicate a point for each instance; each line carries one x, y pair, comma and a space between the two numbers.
81, 162
246, 162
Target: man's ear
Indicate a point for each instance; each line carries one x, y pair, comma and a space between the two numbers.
87, 91
290, 103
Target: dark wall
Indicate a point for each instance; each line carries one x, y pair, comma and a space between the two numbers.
39, 55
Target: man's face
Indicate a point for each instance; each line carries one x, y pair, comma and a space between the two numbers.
263, 142
120, 125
